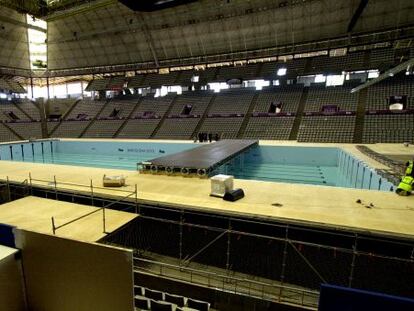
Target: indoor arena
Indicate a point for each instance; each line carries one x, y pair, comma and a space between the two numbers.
196, 155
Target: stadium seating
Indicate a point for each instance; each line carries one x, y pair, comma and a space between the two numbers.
30, 108
235, 112
27, 129
198, 101
270, 127
287, 95
227, 127
378, 94
69, 129
177, 128
136, 81
157, 80
9, 112
247, 72
149, 299
327, 129
184, 77
11, 85
337, 64
103, 129
118, 109
207, 75
341, 96
98, 85
6, 134
116, 83
156, 106
382, 58
232, 101
57, 107
85, 110
294, 68
15, 86
138, 128
388, 128
381, 125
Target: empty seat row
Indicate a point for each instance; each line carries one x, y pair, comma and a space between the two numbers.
27, 129
177, 128
148, 299
103, 128
11, 85
153, 106
85, 110
138, 128
227, 128
277, 128
232, 101
98, 85
196, 101
246, 72
288, 96
379, 94
118, 109
294, 68
6, 134
326, 63
29, 107
9, 112
388, 128
69, 129
341, 96
327, 129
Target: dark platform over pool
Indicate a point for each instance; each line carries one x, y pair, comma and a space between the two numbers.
205, 157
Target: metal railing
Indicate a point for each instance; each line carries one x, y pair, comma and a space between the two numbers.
56, 186
230, 283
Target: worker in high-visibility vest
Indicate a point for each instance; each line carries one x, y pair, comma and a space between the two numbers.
406, 185
409, 171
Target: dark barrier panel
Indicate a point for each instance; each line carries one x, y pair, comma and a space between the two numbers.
344, 299
7, 236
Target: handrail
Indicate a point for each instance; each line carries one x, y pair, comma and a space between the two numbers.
224, 276
236, 280
28, 182
76, 219
91, 187
119, 200
74, 184
54, 228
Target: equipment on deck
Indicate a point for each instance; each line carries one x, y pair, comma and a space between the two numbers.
113, 181
220, 184
234, 195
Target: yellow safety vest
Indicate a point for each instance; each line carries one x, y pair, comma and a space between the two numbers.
406, 183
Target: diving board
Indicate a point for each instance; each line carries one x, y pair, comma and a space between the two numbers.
200, 160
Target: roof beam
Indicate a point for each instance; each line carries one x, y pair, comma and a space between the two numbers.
385, 75
357, 14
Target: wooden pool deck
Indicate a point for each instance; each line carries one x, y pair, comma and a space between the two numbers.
34, 214
331, 207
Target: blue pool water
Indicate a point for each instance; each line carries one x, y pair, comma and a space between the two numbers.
304, 165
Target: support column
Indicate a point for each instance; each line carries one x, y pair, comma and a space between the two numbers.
228, 247
48, 90
31, 86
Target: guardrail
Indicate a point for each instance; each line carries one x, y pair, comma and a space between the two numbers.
56, 186
230, 283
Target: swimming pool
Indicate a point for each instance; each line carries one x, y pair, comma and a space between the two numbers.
325, 166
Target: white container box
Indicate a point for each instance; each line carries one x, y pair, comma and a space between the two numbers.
113, 181
220, 184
